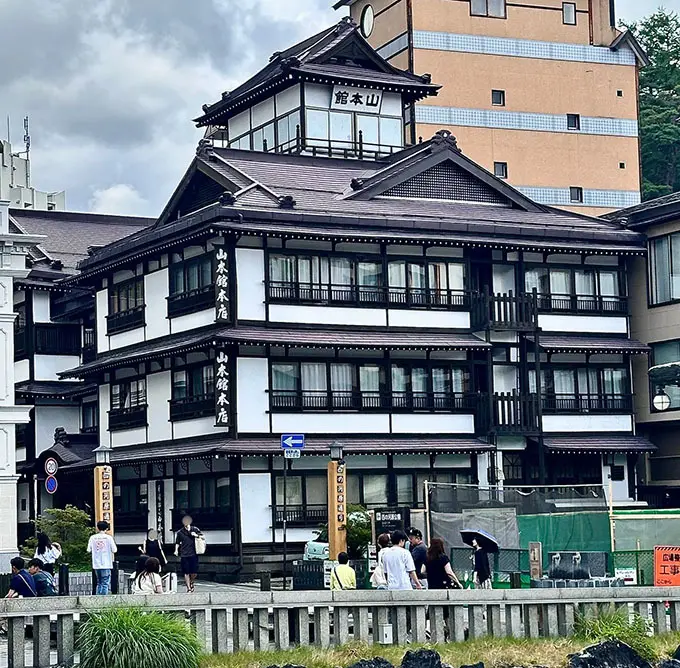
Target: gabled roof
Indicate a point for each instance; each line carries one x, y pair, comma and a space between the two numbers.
338, 54
651, 212
627, 38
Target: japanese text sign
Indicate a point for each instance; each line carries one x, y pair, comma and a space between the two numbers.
221, 286
364, 100
667, 566
222, 390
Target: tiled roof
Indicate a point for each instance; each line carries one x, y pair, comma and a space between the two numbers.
316, 338
54, 388
602, 443
168, 450
69, 234
591, 344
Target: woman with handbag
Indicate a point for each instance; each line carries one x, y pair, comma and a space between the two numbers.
152, 547
440, 575
189, 543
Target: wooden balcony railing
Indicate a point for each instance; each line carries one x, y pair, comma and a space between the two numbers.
126, 320
515, 413
127, 418
191, 301
588, 403
504, 311
302, 516
188, 408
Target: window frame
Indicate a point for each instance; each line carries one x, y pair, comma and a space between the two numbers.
501, 95
132, 317
564, 14
192, 405
123, 417
196, 299
651, 264
652, 387
576, 195
502, 167
574, 122
486, 12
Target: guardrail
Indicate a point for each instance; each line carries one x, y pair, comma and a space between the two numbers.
237, 621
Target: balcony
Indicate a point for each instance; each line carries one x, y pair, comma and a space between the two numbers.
367, 296
294, 401
587, 403
302, 516
134, 520
515, 414
127, 418
517, 312
188, 408
583, 304
205, 518
191, 301
358, 149
126, 320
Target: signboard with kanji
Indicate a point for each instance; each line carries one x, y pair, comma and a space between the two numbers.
666, 566
348, 98
222, 402
221, 285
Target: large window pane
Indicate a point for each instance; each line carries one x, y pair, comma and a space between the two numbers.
478, 7
660, 270
496, 8
317, 490
223, 500
416, 283
391, 133
396, 277
585, 288
609, 285
293, 491
537, 279
353, 489
314, 384
342, 384
282, 268
369, 384
665, 353
179, 385
284, 377
369, 278
375, 490
341, 129
405, 489
317, 127
368, 126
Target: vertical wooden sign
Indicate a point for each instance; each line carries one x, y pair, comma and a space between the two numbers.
337, 509
103, 495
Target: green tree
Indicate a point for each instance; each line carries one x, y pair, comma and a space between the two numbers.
71, 528
659, 35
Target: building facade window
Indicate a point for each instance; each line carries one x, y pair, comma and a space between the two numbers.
126, 306
191, 285
306, 500
584, 389
350, 386
577, 289
665, 353
573, 121
367, 281
576, 195
498, 98
569, 13
207, 499
500, 170
493, 8
664, 269
89, 417
128, 404
193, 392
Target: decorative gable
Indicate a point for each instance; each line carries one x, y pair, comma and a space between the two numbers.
447, 181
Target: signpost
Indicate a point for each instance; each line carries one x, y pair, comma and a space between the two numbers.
51, 466
292, 446
51, 484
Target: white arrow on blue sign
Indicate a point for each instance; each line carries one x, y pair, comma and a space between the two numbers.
292, 441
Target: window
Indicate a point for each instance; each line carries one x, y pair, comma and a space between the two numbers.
498, 98
576, 195
494, 8
438, 387
664, 269
500, 170
665, 353
419, 283
200, 493
513, 470
573, 122
193, 393
622, 165
191, 275
128, 395
619, 93
569, 13
127, 296
89, 417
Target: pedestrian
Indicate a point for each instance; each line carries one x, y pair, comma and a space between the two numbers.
185, 548
400, 570
482, 570
440, 575
418, 552
149, 580
44, 582
102, 547
48, 552
22, 584
343, 575
378, 579
152, 547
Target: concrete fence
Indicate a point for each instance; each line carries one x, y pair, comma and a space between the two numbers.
235, 621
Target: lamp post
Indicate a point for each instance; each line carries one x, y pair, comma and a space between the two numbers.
337, 502
103, 486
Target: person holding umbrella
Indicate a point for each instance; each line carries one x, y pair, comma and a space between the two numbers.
484, 544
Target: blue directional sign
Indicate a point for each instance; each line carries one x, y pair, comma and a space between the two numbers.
292, 441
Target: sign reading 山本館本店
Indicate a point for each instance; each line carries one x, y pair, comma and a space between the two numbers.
667, 566
348, 98
222, 402
221, 286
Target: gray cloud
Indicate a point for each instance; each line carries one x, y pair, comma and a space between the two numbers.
111, 86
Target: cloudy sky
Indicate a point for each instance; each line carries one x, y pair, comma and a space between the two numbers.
111, 86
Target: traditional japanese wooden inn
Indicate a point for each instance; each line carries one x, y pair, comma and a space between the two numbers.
311, 274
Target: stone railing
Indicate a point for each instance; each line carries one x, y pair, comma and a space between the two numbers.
235, 621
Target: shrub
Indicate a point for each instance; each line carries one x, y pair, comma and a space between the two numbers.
137, 638
358, 531
71, 528
619, 625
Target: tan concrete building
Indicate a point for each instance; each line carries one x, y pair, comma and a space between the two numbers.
543, 93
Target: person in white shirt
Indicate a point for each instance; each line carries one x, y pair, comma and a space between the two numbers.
400, 570
149, 580
102, 547
47, 551
378, 579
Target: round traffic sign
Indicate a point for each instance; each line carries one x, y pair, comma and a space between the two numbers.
51, 484
51, 466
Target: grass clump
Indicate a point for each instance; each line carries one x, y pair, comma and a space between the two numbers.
619, 625
135, 638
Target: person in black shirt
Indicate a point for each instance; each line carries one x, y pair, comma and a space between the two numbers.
152, 547
482, 569
185, 548
418, 552
440, 575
